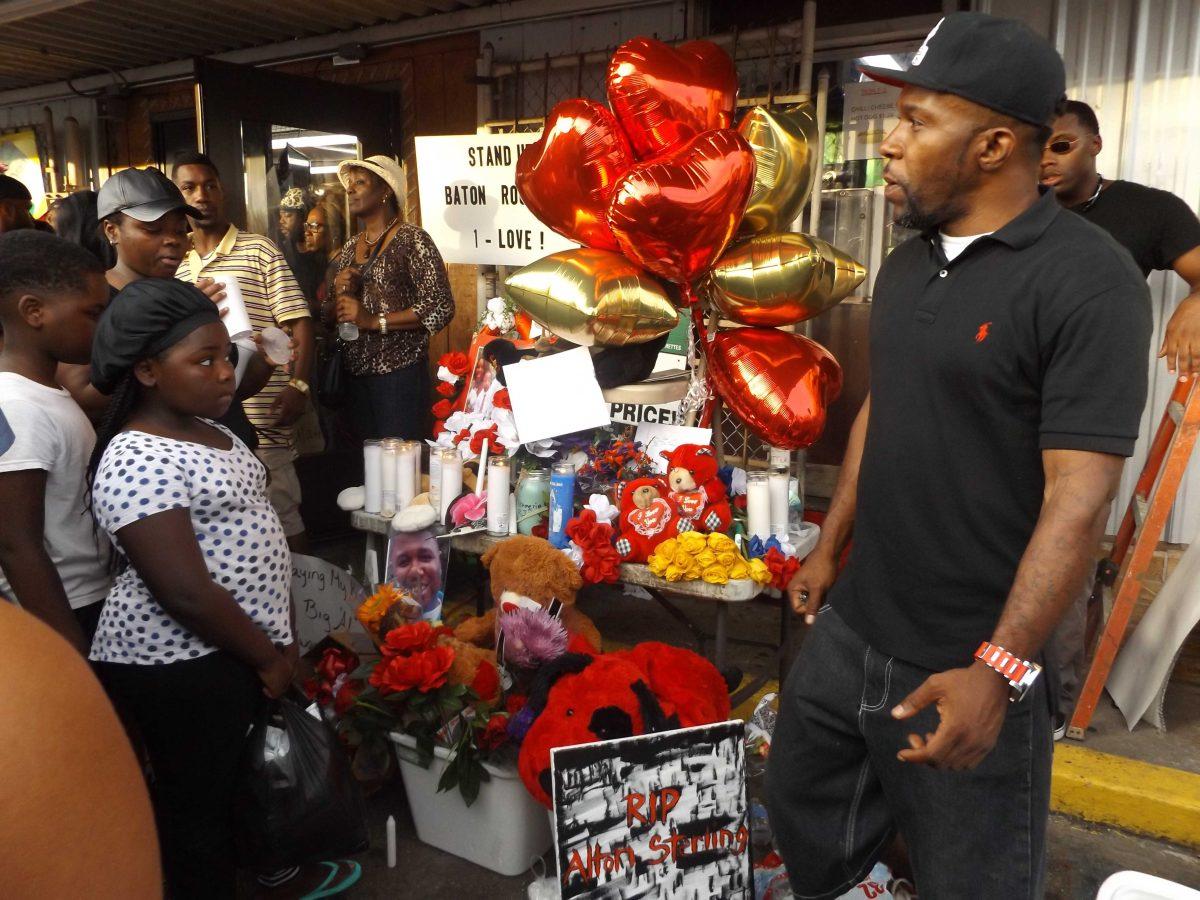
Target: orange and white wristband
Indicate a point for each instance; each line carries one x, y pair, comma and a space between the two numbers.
1019, 673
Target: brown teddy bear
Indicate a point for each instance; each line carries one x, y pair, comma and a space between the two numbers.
529, 572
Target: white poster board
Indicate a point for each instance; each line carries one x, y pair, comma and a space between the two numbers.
555, 395
658, 815
326, 599
470, 205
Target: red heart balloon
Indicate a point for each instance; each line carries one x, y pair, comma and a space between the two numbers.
665, 95
776, 382
567, 177
675, 215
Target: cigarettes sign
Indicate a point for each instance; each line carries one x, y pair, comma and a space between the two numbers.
470, 205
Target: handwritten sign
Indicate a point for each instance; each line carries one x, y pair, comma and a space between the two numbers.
326, 598
658, 815
470, 205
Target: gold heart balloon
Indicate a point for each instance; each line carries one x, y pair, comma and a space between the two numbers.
593, 297
786, 160
780, 279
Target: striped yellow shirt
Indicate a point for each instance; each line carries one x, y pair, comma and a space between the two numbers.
272, 297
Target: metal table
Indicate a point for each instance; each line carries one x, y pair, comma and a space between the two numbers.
740, 591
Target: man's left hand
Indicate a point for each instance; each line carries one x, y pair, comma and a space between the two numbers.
288, 406
1181, 344
971, 703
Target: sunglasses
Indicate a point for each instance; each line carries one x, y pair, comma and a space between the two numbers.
1062, 147
313, 226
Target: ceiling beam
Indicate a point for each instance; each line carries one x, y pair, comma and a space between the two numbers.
406, 31
15, 10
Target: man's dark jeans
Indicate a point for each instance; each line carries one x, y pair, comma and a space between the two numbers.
837, 791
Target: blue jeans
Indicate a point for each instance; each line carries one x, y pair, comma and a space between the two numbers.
837, 792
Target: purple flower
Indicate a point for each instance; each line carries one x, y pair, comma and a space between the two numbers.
532, 637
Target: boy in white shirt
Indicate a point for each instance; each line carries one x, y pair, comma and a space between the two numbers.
54, 562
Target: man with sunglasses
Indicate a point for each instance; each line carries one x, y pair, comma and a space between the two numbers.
1158, 229
1160, 232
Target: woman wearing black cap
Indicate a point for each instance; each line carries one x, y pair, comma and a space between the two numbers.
143, 219
197, 626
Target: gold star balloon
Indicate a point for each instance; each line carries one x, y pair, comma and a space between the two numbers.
787, 160
780, 279
593, 297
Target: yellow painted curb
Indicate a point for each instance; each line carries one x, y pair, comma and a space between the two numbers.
1127, 794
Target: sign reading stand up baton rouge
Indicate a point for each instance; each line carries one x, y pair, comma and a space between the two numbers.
658, 815
470, 205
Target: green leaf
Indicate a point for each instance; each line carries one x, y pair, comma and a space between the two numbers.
449, 779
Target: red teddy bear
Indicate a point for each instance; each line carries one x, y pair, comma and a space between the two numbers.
696, 493
580, 698
647, 518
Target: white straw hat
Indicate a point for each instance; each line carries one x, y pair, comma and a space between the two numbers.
385, 167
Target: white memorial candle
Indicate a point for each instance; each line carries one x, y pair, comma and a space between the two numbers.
389, 449
758, 505
778, 490
406, 486
481, 481
498, 497
451, 481
780, 458
372, 476
435, 477
512, 513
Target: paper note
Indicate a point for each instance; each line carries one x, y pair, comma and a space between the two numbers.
555, 395
655, 437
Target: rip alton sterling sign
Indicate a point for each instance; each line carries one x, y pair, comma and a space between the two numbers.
470, 205
658, 815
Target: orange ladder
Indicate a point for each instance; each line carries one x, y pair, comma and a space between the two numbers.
1143, 524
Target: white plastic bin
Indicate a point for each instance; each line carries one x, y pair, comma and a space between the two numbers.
504, 830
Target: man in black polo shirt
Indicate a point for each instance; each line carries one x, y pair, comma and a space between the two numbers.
1161, 232
1007, 379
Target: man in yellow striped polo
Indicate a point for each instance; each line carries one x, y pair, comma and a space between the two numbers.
272, 297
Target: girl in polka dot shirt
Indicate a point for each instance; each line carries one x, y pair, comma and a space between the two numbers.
197, 626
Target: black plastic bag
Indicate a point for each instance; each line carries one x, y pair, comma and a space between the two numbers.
297, 801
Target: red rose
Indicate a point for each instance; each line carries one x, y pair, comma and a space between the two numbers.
541, 529
442, 409
489, 435
739, 502
782, 568
438, 428
346, 696
463, 435
500, 399
456, 362
514, 703
409, 638
335, 661
424, 671
446, 389
494, 734
486, 683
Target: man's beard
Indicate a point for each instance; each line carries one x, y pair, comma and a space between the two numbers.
920, 217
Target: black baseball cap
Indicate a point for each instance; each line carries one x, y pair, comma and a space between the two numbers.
11, 189
145, 194
998, 63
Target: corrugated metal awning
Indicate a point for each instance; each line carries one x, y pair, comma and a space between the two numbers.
43, 41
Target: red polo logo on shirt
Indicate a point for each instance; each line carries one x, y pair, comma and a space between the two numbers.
982, 333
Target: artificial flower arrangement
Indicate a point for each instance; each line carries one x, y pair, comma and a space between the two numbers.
713, 558
426, 684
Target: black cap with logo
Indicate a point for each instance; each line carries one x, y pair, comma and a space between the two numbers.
998, 63
145, 194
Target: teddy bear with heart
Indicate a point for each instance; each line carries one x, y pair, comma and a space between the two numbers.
646, 517
696, 493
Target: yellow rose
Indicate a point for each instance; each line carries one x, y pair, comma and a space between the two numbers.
682, 558
719, 543
727, 558
692, 542
739, 570
673, 573
694, 571
759, 571
657, 564
667, 548
716, 575
706, 558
